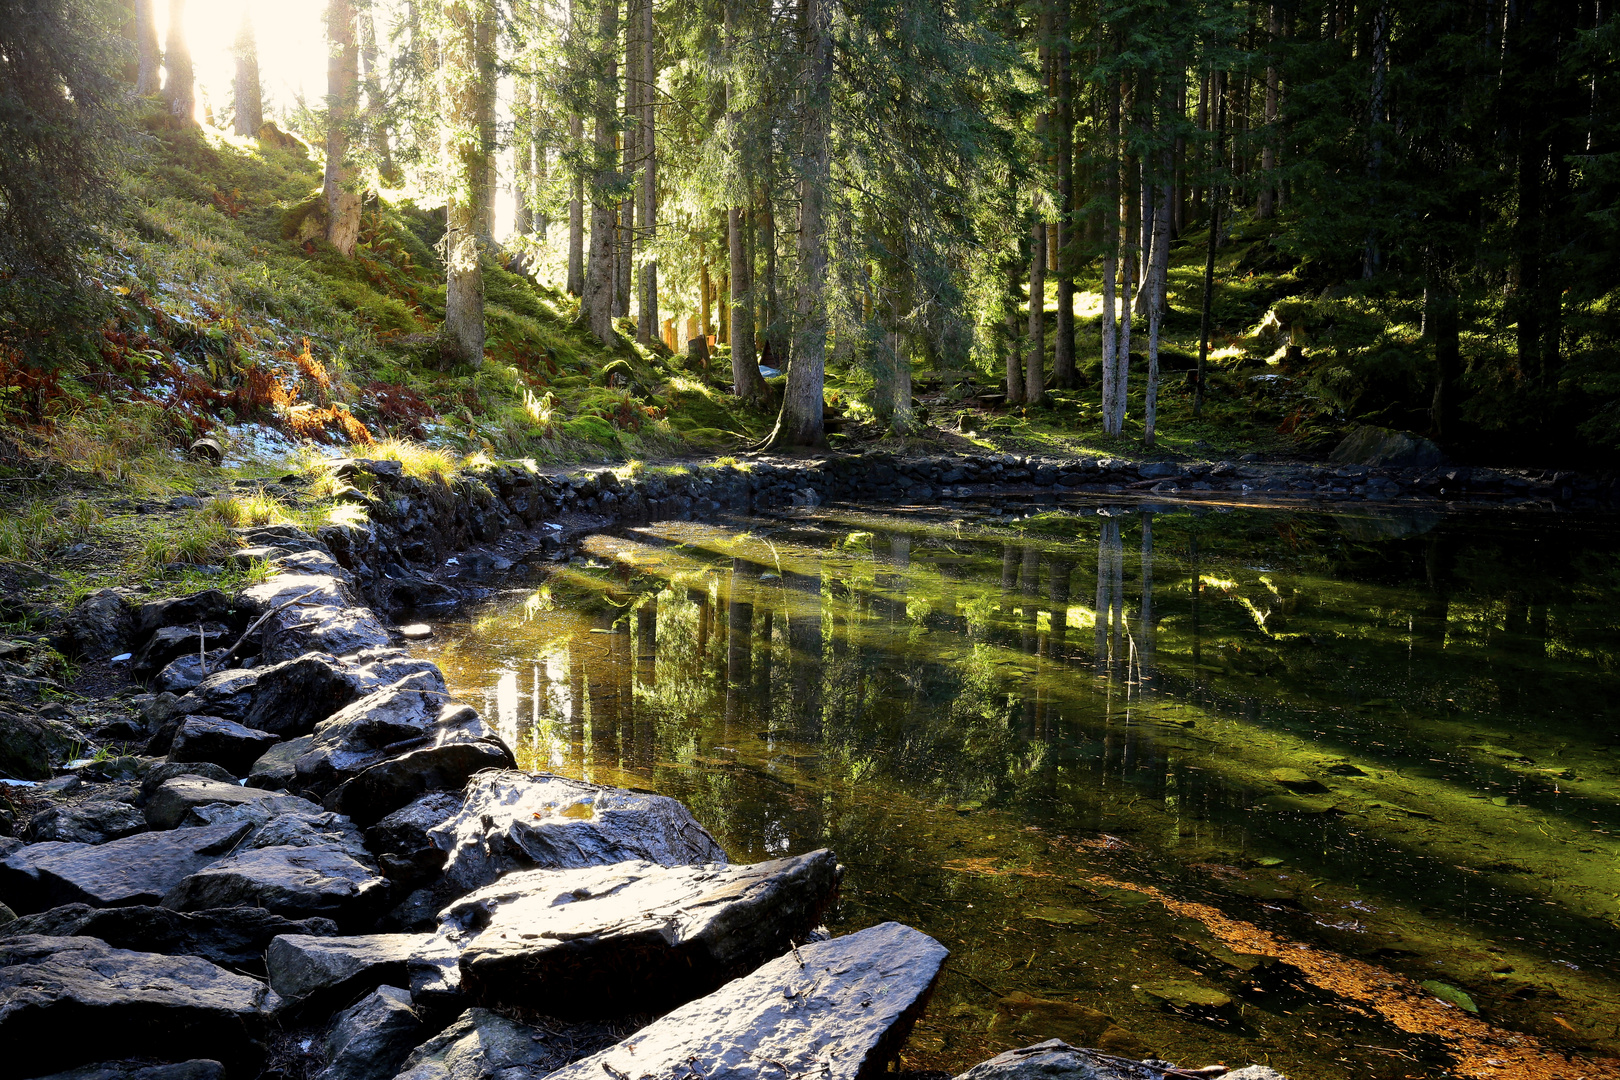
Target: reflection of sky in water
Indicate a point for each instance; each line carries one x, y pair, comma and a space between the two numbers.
1376, 737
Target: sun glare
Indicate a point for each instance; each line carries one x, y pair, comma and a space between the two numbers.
292, 51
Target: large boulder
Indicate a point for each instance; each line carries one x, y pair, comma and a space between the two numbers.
285, 699
835, 1010
98, 627
402, 843
286, 820
634, 937
309, 972
167, 807
314, 612
208, 606
1385, 447
296, 882
137, 869
169, 643
231, 937
232, 746
29, 746
158, 775
370, 1039
67, 1001
277, 768
367, 731
1055, 1059
517, 821
94, 821
460, 746
482, 1045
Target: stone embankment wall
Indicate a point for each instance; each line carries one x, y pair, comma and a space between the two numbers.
415, 523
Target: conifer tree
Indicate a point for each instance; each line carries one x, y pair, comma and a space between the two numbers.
179, 82
340, 187
596, 302
247, 98
150, 56
465, 93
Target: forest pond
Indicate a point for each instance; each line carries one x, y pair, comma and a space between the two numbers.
1333, 791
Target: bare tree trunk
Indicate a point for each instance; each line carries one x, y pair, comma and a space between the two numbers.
775, 328
179, 84
1128, 269
800, 421
647, 328
1265, 204
625, 255
464, 93
576, 218
342, 99
147, 78
487, 46
248, 100
522, 156
1035, 347
1110, 261
1157, 273
376, 115
746, 381
1015, 354
1218, 81
1063, 374
597, 303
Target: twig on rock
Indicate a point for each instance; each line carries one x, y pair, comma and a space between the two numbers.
249, 632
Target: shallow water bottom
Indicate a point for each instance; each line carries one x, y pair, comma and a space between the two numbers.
1337, 794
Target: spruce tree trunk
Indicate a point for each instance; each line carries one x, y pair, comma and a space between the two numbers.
1035, 346
746, 381
647, 328
1265, 204
597, 302
148, 74
463, 93
1128, 270
376, 119
487, 133
1015, 353
624, 256
800, 421
179, 83
1063, 374
1214, 201
774, 329
576, 218
342, 99
1157, 274
1110, 260
522, 157
248, 99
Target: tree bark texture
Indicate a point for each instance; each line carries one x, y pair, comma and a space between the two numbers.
179, 82
248, 98
647, 327
1063, 372
148, 73
342, 98
597, 302
465, 93
1035, 345
746, 381
576, 218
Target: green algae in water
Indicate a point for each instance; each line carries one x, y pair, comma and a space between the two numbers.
1389, 740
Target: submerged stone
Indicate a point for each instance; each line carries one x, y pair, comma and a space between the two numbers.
1024, 1015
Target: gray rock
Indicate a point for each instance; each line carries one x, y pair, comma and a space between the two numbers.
1381, 446
310, 972
370, 730
634, 937
92, 822
174, 799
137, 869
30, 746
158, 774
1055, 1059
517, 821
401, 841
222, 742
1254, 1072
66, 1001
276, 767
327, 619
231, 937
837, 1010
286, 820
296, 882
482, 1045
460, 746
371, 1039
170, 643
196, 1069
99, 625
210, 605
185, 673
286, 699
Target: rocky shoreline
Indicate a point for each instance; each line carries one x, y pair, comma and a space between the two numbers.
322, 865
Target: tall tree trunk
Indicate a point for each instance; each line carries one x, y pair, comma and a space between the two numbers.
1158, 272
800, 421
248, 100
597, 304
1015, 354
1035, 346
1110, 260
1371, 258
148, 75
465, 93
376, 105
342, 99
523, 104
1218, 81
776, 348
647, 327
746, 381
1063, 374
625, 256
1443, 325
179, 84
1129, 212
487, 131
576, 216
1265, 204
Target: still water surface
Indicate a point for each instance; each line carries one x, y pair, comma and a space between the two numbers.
1215, 784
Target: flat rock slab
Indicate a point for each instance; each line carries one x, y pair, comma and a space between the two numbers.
137, 869
459, 745
65, 1001
233, 747
482, 1045
286, 699
296, 882
1057, 1060
835, 1010
277, 768
91, 822
231, 937
167, 807
371, 1039
633, 937
309, 972
517, 821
